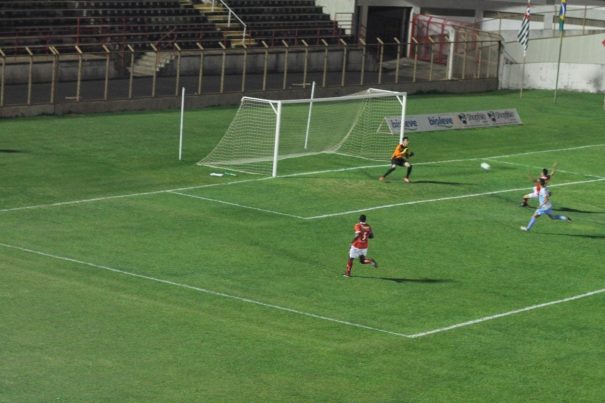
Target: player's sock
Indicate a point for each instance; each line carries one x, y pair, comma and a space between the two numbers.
387, 172
524, 202
532, 221
349, 267
407, 175
561, 217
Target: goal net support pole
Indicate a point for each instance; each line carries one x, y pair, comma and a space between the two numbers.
403, 100
310, 111
277, 133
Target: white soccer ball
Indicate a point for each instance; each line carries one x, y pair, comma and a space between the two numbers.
485, 166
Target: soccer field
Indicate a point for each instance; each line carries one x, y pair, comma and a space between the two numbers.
128, 275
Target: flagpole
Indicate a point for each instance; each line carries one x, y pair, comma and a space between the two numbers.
523, 75
562, 14
559, 64
523, 38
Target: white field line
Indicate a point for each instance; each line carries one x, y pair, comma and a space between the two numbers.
552, 150
502, 315
299, 312
95, 199
238, 205
201, 290
537, 167
466, 196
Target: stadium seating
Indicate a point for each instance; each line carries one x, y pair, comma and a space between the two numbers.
39, 24
274, 21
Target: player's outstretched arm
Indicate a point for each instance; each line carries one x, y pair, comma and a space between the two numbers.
553, 169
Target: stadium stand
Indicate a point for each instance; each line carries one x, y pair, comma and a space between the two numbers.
292, 21
39, 24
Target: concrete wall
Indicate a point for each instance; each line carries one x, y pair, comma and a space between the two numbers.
582, 65
463, 86
572, 77
586, 49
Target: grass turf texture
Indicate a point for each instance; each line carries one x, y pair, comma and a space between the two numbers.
155, 329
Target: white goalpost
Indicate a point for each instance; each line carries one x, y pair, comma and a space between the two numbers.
263, 132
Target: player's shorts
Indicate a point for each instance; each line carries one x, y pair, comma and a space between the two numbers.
533, 195
544, 210
398, 161
354, 253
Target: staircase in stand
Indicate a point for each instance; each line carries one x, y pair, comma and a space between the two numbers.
145, 66
232, 29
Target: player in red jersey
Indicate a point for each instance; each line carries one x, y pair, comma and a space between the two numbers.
359, 245
544, 175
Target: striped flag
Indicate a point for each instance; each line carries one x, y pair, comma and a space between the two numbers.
523, 35
562, 13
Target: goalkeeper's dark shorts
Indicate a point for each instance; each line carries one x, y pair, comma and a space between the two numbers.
398, 161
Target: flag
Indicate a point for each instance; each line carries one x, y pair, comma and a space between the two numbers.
562, 12
523, 35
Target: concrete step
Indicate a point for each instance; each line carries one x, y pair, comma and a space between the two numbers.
235, 43
146, 65
208, 8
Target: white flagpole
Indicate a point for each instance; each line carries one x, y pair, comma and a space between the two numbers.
181, 128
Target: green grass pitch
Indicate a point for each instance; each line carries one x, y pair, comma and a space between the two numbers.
127, 275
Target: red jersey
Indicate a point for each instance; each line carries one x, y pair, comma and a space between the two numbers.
538, 185
362, 234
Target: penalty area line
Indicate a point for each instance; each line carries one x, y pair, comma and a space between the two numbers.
502, 315
237, 205
296, 311
466, 196
201, 290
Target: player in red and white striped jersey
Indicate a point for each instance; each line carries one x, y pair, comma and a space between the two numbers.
544, 175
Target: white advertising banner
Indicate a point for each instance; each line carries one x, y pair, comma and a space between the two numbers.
454, 120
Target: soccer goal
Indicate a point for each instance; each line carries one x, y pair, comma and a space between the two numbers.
263, 132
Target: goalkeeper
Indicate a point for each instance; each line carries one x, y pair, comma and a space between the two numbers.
400, 158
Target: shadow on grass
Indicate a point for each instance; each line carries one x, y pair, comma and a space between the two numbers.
442, 183
400, 280
573, 210
589, 236
10, 151
420, 182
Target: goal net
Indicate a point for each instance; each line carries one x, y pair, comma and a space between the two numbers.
263, 132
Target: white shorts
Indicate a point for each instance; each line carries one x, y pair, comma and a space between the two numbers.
544, 210
354, 253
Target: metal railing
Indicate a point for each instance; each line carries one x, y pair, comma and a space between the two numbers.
230, 13
64, 74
